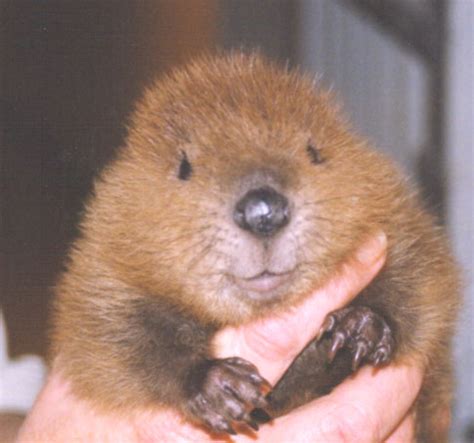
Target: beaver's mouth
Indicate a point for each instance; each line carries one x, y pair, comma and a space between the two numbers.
264, 283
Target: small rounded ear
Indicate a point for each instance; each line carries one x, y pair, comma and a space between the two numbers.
185, 167
314, 153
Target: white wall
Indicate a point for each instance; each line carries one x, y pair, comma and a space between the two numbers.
460, 136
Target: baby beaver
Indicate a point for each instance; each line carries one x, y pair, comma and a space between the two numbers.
241, 189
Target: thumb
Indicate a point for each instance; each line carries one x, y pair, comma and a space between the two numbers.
353, 412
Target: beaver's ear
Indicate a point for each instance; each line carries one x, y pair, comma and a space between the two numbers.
185, 168
314, 153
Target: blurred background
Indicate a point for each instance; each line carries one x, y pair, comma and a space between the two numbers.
71, 70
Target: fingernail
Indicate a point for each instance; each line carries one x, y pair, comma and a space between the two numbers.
372, 250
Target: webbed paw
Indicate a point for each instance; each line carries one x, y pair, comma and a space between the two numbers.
225, 391
362, 331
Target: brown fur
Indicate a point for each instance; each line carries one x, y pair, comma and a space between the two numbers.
156, 251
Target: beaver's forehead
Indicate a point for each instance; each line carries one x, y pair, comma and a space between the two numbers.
237, 132
236, 106
244, 86
244, 104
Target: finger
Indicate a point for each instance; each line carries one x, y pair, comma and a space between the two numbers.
405, 432
272, 344
58, 416
355, 411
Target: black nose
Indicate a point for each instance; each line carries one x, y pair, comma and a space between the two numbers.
262, 211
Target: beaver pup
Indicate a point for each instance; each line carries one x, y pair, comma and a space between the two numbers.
240, 189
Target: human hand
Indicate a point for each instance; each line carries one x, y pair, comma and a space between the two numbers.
355, 410
352, 412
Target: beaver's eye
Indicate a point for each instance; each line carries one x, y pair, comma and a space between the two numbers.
185, 168
314, 153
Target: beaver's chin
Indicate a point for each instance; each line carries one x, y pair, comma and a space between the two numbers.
264, 286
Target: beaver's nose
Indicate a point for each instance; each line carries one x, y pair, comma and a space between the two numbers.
262, 211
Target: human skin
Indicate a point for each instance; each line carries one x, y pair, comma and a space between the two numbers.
355, 411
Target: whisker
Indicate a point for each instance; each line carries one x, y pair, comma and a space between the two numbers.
187, 235
327, 199
201, 255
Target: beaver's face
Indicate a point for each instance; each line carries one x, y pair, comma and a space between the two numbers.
238, 197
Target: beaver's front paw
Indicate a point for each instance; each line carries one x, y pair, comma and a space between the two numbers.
365, 333
224, 391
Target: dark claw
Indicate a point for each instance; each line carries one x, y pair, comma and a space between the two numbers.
260, 416
380, 357
230, 430
360, 353
327, 326
252, 424
363, 332
338, 343
223, 391
261, 402
219, 425
259, 380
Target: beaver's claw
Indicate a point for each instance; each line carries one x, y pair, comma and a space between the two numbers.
362, 331
225, 391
